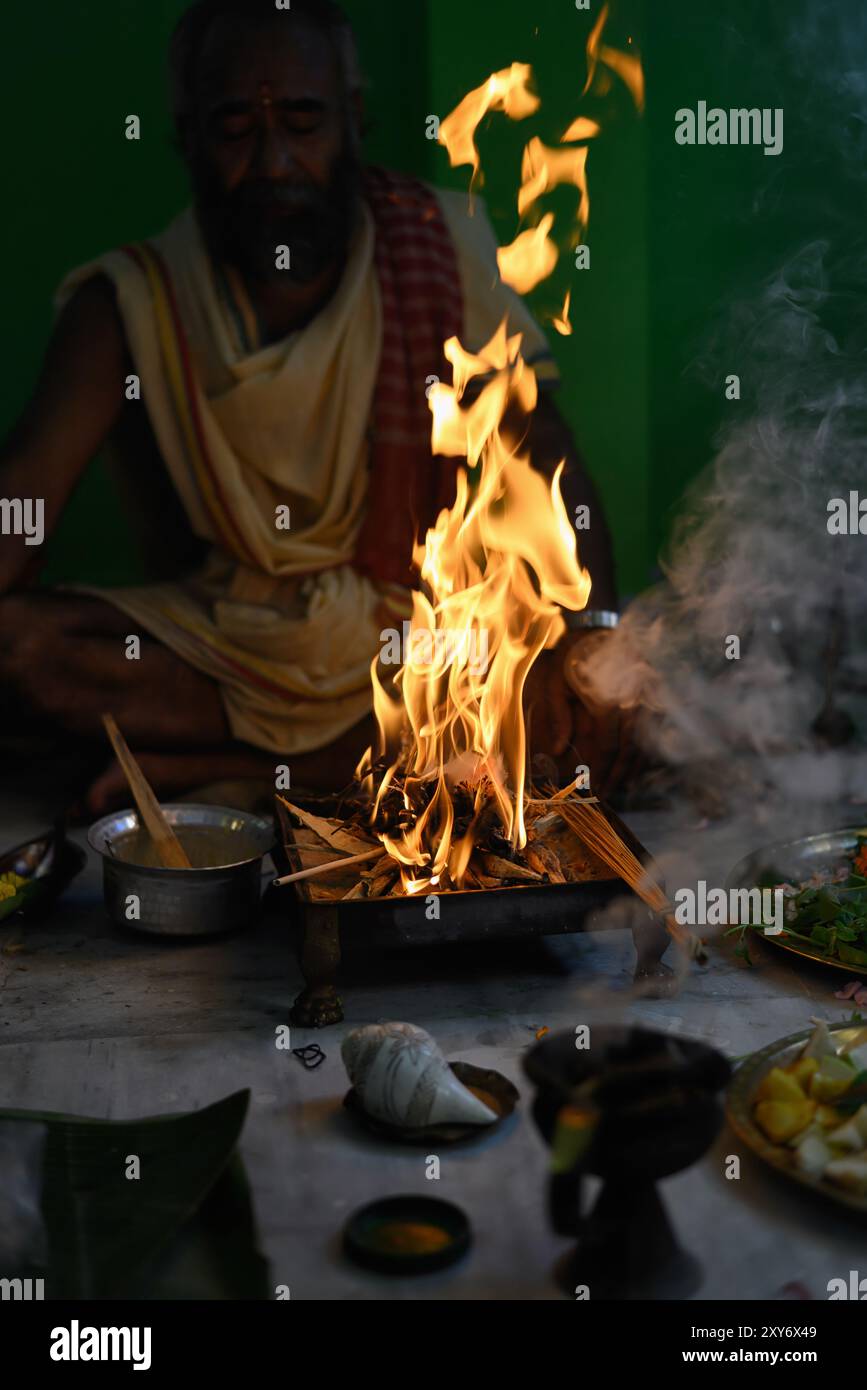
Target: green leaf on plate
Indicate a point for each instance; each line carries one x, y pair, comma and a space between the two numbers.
743, 951
852, 955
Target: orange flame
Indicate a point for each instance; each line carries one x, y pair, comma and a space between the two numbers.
593, 45
507, 90
628, 69
544, 169
582, 128
530, 259
562, 324
627, 66
497, 567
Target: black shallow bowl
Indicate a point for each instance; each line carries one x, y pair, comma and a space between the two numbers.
360, 1231
49, 863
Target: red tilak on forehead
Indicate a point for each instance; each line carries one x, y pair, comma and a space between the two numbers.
265, 94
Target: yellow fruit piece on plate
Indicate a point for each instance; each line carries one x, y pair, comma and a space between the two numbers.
831, 1080
829, 1117
782, 1119
10, 885
780, 1085
803, 1069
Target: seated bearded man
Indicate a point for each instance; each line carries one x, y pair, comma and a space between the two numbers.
283, 422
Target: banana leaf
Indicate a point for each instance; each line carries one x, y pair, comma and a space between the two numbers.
215, 1255
110, 1236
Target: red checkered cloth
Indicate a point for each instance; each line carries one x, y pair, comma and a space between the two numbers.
422, 306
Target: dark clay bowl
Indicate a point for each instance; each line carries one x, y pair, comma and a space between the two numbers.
657, 1095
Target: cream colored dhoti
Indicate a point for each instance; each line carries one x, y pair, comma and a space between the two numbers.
290, 632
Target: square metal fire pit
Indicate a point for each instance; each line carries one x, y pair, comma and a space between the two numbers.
491, 914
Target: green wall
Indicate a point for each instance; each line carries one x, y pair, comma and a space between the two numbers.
723, 220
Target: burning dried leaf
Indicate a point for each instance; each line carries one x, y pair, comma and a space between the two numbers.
329, 831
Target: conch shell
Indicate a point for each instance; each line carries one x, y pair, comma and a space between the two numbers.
400, 1076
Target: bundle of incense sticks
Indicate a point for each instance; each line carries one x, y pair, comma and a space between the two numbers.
590, 825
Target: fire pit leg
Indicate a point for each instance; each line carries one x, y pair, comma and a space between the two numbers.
651, 942
319, 1005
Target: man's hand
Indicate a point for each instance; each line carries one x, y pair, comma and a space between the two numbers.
574, 733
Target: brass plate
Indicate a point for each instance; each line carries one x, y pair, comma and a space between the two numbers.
796, 860
815, 956
739, 1112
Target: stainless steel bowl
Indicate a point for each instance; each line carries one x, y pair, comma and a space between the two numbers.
184, 902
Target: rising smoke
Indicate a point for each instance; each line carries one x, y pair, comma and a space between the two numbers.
750, 555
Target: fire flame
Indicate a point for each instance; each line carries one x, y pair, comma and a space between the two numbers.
544, 169
627, 66
582, 128
507, 90
562, 323
531, 257
497, 569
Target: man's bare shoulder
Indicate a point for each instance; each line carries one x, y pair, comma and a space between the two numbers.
88, 356
91, 317
80, 392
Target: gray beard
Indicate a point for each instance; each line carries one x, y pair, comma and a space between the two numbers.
317, 237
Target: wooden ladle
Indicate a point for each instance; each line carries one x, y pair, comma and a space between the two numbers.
169, 849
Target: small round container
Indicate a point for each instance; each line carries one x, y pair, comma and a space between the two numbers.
202, 901
390, 1235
